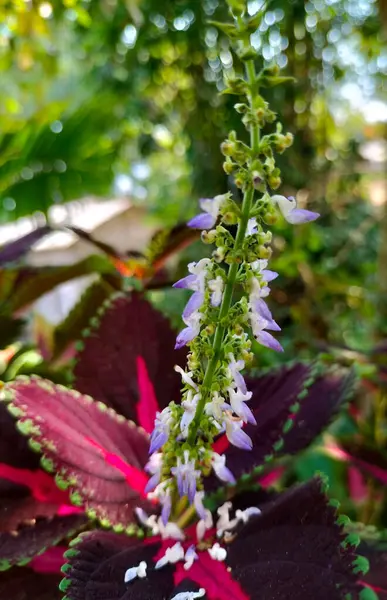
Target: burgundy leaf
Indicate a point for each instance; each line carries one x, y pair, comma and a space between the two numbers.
325, 398
30, 540
96, 453
98, 565
17, 512
294, 549
14, 449
23, 584
19, 248
131, 340
376, 578
274, 395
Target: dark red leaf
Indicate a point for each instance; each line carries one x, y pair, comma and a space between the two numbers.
14, 449
108, 366
96, 453
98, 565
324, 400
294, 549
19, 248
30, 540
17, 512
376, 578
23, 584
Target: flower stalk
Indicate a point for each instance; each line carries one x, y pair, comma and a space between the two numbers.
218, 326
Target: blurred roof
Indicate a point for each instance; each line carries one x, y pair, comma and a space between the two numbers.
87, 214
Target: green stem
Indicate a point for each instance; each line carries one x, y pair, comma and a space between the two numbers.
232, 273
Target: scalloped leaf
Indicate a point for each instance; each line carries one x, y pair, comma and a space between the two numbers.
78, 318
98, 564
20, 546
376, 578
324, 400
294, 549
129, 329
23, 584
96, 453
292, 406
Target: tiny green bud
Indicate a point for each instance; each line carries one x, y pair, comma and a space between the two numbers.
210, 329
274, 182
265, 252
241, 108
227, 148
230, 218
208, 237
219, 254
228, 167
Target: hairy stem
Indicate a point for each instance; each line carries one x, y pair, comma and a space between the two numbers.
232, 273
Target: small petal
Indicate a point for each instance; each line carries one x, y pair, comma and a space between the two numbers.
266, 339
186, 283
202, 221
193, 304
299, 215
262, 309
221, 471
269, 275
185, 336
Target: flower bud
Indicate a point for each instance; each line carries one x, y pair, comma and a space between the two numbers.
270, 218
230, 218
208, 237
228, 167
210, 330
227, 148
219, 254
274, 182
241, 108
265, 252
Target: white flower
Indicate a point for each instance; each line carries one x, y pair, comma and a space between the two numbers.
189, 406
190, 557
171, 556
133, 572
186, 377
218, 462
217, 552
190, 595
216, 287
237, 401
216, 407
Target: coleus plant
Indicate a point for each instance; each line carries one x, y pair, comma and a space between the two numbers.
176, 474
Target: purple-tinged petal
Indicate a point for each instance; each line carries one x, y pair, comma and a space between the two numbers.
246, 414
202, 221
239, 438
300, 215
166, 510
158, 439
269, 275
186, 282
152, 483
185, 336
193, 304
266, 339
273, 326
263, 310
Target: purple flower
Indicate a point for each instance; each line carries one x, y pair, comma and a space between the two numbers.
258, 325
234, 366
186, 476
207, 219
160, 433
236, 435
153, 467
218, 462
237, 401
289, 210
189, 333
